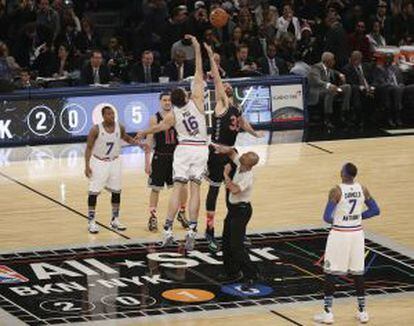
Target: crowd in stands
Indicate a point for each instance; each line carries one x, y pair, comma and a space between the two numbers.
332, 42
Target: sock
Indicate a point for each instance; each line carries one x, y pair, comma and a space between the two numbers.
168, 224
327, 303
210, 220
153, 210
193, 226
115, 213
91, 214
361, 303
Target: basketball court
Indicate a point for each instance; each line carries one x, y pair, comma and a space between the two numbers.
52, 271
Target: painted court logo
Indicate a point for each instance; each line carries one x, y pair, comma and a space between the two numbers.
9, 276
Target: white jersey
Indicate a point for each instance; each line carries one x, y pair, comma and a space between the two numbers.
107, 145
190, 124
348, 212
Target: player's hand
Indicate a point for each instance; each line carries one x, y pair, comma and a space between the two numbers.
139, 136
260, 134
88, 172
209, 50
193, 39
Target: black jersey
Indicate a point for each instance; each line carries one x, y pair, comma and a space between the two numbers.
165, 141
226, 127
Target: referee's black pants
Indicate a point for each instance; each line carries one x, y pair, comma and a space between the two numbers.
235, 256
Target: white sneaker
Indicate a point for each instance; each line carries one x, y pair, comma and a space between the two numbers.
117, 225
362, 316
324, 318
190, 240
93, 227
168, 238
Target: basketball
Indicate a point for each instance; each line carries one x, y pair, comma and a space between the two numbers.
219, 17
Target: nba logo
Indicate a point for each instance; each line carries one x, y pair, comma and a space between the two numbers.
9, 276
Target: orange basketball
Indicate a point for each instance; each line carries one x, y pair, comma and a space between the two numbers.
219, 17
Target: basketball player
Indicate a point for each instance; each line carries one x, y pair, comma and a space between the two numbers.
191, 154
344, 251
227, 122
235, 257
160, 167
103, 165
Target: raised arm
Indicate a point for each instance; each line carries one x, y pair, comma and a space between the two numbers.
165, 124
218, 83
90, 142
197, 92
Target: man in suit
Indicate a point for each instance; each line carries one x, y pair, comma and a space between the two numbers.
359, 76
388, 81
179, 69
95, 72
271, 64
146, 71
323, 82
242, 66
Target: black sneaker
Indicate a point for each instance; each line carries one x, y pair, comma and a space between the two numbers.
153, 223
182, 219
212, 243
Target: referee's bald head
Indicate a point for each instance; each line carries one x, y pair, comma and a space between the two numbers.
249, 159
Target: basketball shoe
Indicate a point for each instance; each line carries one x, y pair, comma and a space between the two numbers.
362, 316
168, 238
93, 227
152, 223
190, 240
324, 317
117, 225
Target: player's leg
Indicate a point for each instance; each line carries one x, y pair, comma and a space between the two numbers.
173, 207
100, 172
357, 267
153, 204
181, 217
114, 185
156, 182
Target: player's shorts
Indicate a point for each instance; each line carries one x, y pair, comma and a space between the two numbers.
344, 253
215, 167
105, 174
161, 171
190, 163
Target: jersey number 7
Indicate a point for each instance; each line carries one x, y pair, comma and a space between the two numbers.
353, 203
110, 146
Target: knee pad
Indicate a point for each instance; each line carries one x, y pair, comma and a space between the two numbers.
92, 199
116, 198
212, 198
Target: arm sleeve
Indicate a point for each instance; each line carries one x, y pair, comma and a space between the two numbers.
329, 209
373, 209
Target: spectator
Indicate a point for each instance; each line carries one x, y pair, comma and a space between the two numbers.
375, 38
95, 72
289, 23
212, 40
359, 76
175, 29
146, 71
22, 15
385, 21
48, 18
245, 21
25, 45
217, 60
352, 17
271, 64
322, 81
300, 67
358, 41
179, 68
116, 59
336, 40
404, 22
236, 40
46, 62
87, 39
68, 35
198, 21
64, 62
270, 22
25, 80
390, 87
242, 66
183, 45
13, 66
287, 48
307, 46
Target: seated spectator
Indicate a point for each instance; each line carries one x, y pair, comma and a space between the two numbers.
336, 40
25, 80
179, 68
68, 35
46, 62
270, 22
300, 67
237, 39
375, 38
404, 22
388, 81
198, 21
271, 64
145, 71
88, 38
217, 60
64, 62
48, 18
286, 48
183, 45
288, 23
13, 67
245, 21
308, 46
358, 41
23, 14
116, 59
359, 76
212, 40
384, 20
324, 83
95, 71
242, 66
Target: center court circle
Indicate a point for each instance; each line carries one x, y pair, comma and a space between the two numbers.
188, 295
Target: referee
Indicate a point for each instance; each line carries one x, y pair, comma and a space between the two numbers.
235, 257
